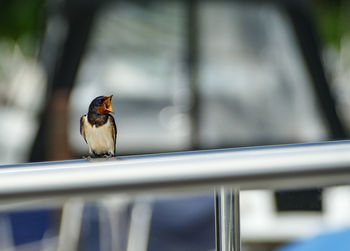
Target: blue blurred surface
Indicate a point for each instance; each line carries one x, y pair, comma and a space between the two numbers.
29, 226
329, 241
183, 224
90, 234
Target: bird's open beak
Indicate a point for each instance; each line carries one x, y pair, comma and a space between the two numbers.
108, 104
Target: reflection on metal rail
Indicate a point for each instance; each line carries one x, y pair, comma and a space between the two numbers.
267, 167
286, 166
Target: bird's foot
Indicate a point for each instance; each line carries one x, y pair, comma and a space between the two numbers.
108, 156
88, 157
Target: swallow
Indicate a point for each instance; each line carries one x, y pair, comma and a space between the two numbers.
98, 128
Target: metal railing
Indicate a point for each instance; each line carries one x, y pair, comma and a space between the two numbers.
227, 171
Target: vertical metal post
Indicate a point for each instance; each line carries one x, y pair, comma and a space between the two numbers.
71, 220
227, 219
236, 221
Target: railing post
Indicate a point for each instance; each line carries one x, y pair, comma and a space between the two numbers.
227, 219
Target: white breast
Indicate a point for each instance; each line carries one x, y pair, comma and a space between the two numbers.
99, 139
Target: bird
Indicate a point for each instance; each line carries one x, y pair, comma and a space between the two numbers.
98, 128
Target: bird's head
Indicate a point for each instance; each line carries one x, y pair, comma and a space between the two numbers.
101, 105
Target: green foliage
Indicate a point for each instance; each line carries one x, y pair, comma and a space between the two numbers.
332, 20
21, 21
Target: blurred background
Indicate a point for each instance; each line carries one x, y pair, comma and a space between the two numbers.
185, 75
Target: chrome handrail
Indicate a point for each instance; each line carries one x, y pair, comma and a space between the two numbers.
266, 167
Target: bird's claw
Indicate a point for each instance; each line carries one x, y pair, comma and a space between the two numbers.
88, 157
108, 156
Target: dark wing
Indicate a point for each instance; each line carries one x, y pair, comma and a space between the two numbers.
114, 132
82, 127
